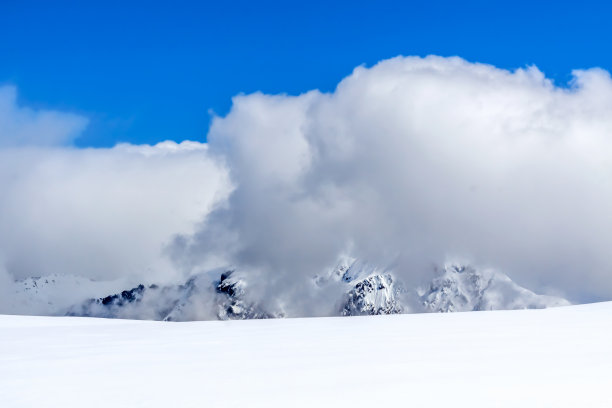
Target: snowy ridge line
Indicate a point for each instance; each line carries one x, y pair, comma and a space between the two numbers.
353, 288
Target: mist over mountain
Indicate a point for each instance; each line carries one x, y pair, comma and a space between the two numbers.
351, 288
408, 164
414, 162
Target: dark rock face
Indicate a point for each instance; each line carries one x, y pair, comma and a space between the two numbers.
363, 288
232, 305
197, 298
374, 295
111, 306
227, 286
127, 296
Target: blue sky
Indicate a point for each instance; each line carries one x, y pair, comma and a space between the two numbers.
144, 72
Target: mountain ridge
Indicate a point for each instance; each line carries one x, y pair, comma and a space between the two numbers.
360, 288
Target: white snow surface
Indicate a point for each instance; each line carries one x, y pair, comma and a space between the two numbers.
559, 357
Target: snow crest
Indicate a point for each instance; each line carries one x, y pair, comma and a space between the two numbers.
460, 288
356, 287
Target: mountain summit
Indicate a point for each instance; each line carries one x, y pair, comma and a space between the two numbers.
360, 288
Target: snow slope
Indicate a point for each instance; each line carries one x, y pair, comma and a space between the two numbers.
559, 357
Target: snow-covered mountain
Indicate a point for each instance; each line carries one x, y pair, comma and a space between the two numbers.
454, 288
52, 294
353, 287
459, 288
373, 295
231, 302
199, 298
366, 289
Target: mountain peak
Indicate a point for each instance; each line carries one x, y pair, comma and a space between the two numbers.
352, 287
460, 287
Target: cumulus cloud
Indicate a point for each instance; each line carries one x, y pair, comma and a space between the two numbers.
21, 126
407, 164
102, 214
416, 161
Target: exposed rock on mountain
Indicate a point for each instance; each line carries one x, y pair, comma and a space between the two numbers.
232, 306
374, 295
353, 287
458, 288
197, 299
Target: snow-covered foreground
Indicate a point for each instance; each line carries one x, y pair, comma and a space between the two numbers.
559, 357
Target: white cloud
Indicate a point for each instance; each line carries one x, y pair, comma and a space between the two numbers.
98, 213
101, 213
413, 161
21, 126
419, 160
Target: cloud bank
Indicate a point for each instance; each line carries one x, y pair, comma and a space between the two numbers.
416, 161
407, 164
103, 214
